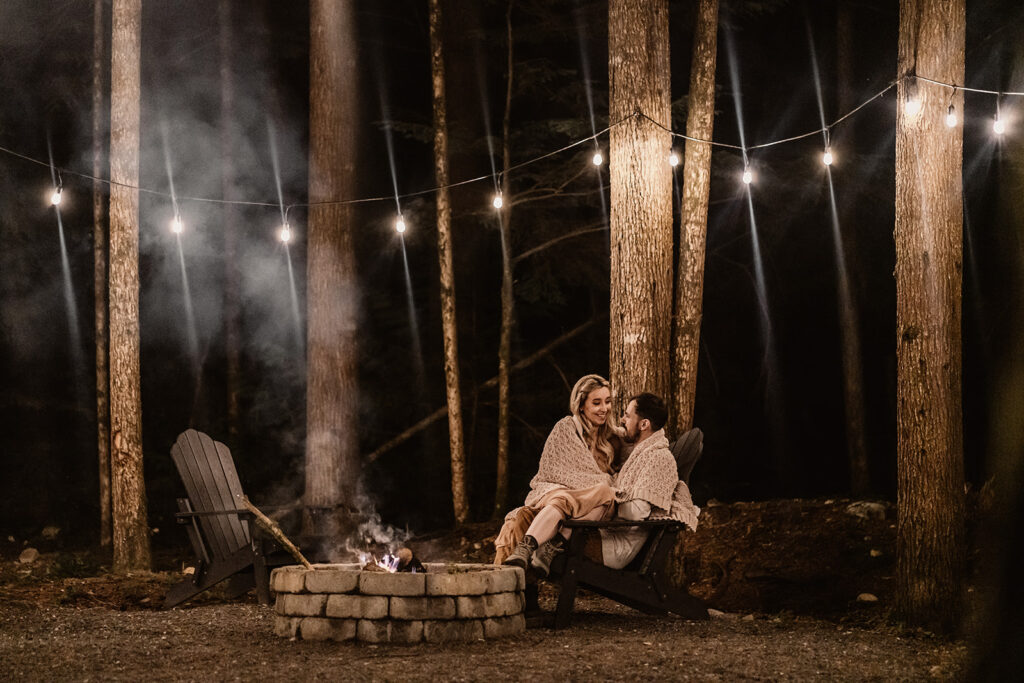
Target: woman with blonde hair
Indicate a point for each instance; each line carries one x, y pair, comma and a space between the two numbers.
573, 480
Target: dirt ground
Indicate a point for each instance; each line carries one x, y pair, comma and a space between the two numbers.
785, 577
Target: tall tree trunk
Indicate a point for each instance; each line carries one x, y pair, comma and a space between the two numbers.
99, 269
641, 198
689, 307
232, 313
131, 530
460, 502
507, 295
928, 235
847, 262
332, 447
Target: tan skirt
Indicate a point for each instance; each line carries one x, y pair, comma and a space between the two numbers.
572, 503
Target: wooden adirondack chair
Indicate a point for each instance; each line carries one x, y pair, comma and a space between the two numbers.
227, 543
642, 584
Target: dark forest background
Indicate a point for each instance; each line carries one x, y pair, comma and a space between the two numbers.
773, 420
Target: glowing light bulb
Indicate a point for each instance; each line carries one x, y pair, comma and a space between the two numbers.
912, 106
598, 159
826, 158
176, 225
998, 126
497, 202
400, 224
951, 117
748, 177
55, 197
673, 159
286, 233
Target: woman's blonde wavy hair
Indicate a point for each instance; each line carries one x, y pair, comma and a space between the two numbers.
593, 435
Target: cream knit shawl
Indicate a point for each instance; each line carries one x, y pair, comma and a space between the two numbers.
650, 474
565, 463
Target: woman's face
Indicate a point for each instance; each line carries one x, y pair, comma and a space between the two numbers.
597, 405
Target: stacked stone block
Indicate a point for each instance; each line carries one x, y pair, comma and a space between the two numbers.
447, 603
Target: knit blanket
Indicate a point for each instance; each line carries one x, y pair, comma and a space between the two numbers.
566, 462
650, 474
682, 508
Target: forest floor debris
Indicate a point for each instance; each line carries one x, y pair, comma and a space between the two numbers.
792, 608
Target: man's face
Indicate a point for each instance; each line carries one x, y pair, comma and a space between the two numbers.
631, 422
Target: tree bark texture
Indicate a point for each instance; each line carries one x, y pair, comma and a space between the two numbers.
128, 491
99, 269
332, 447
928, 235
507, 294
641, 198
460, 502
232, 305
689, 306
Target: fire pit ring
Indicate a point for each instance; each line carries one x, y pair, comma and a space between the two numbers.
448, 602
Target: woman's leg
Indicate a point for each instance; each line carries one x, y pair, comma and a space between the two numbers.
545, 524
592, 516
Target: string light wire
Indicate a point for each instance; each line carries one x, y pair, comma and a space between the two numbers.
522, 164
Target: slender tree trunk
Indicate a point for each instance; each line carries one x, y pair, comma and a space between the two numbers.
689, 307
131, 530
99, 268
928, 234
543, 352
641, 198
844, 57
460, 502
847, 262
507, 295
332, 447
232, 312
853, 388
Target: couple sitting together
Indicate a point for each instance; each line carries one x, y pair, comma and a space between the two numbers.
591, 470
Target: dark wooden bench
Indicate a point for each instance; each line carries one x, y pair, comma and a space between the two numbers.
643, 584
227, 543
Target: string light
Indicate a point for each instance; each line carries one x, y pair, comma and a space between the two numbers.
748, 176
912, 103
912, 106
399, 224
176, 225
998, 126
286, 233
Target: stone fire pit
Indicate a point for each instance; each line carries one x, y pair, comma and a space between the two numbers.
450, 602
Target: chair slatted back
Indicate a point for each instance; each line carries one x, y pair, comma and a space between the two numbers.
687, 451
212, 484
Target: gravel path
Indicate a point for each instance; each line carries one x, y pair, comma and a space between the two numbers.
606, 642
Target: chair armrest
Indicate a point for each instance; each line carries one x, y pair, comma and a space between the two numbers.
184, 517
619, 523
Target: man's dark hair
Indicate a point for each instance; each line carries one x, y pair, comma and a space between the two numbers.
652, 408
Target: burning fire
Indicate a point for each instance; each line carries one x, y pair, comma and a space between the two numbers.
402, 560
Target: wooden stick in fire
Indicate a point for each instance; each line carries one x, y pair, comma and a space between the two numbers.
271, 527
